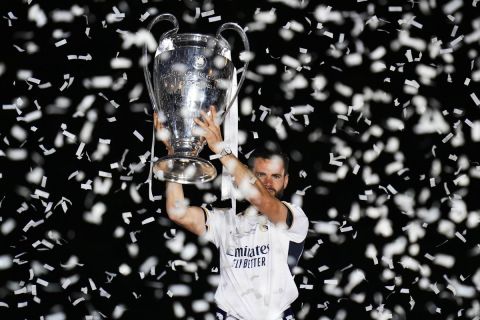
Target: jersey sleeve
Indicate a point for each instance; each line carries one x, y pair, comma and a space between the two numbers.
215, 222
299, 228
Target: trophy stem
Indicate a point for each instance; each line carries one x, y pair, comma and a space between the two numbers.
184, 169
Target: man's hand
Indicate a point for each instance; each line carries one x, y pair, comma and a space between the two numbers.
211, 130
253, 189
164, 133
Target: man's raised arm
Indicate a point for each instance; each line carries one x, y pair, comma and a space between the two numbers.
251, 187
178, 210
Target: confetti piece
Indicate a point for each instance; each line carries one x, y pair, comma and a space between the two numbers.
457, 40
104, 174
434, 288
447, 138
207, 13
290, 62
331, 281
214, 19
77, 301
475, 99
459, 236
333, 160
42, 193
42, 282
148, 220
323, 268
60, 43
412, 83
394, 9
79, 152
92, 284
392, 189
306, 286
138, 135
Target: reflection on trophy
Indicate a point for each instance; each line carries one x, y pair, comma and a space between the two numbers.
191, 73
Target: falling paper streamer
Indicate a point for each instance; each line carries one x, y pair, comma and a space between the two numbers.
230, 134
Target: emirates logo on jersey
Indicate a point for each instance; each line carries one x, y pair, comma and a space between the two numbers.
249, 257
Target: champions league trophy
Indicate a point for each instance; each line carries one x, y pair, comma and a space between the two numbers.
191, 72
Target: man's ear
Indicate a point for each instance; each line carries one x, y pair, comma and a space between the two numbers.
285, 182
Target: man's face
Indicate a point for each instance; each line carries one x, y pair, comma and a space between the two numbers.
271, 173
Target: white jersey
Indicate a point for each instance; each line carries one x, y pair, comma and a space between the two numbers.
256, 257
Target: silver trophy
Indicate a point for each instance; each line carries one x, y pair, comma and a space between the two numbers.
191, 73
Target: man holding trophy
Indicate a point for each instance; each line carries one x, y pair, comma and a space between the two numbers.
193, 80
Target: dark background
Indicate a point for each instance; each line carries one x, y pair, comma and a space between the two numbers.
123, 269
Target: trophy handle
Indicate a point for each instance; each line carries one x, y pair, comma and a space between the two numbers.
246, 45
146, 71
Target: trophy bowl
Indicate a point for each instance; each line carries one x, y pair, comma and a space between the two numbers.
191, 73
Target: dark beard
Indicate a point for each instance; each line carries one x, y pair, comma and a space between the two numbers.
279, 194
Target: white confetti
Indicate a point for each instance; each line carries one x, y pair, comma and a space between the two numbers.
306, 286
104, 174
60, 43
323, 268
42, 193
207, 13
5, 260
459, 236
475, 99
42, 282
394, 9
331, 281
79, 151
92, 284
77, 301
148, 220
138, 135
457, 41
392, 189
447, 138
214, 19
412, 83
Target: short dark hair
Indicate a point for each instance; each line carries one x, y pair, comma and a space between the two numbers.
268, 154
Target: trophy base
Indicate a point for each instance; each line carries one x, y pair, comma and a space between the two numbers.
184, 169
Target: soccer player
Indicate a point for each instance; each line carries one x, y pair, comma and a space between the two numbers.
258, 247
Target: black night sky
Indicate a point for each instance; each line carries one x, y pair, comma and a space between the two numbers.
383, 160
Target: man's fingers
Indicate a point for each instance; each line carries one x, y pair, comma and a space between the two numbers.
213, 115
200, 123
208, 118
199, 131
203, 132
214, 112
155, 120
216, 118
204, 127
